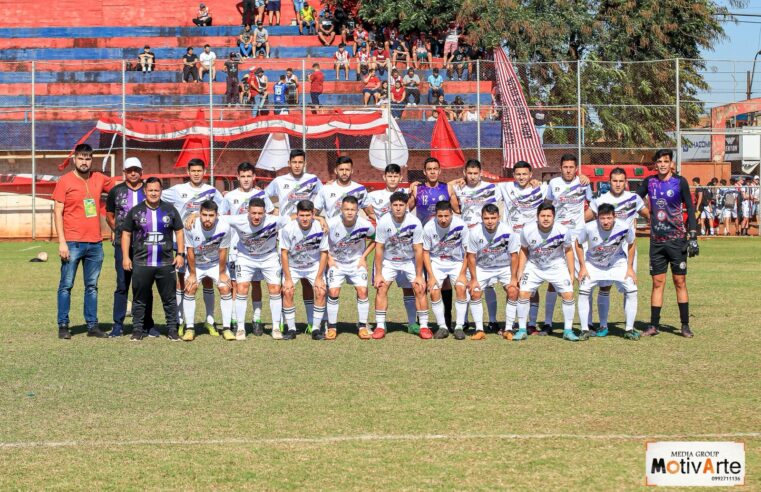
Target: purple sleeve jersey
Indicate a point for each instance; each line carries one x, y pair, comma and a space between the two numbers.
426, 199
666, 199
152, 233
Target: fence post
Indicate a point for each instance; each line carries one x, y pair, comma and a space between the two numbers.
478, 108
124, 111
211, 127
303, 106
389, 116
678, 123
579, 133
34, 157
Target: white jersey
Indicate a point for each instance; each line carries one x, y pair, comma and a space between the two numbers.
627, 205
255, 243
606, 248
397, 238
329, 198
206, 244
304, 247
493, 250
379, 200
521, 203
445, 245
348, 244
546, 249
236, 201
569, 198
187, 200
289, 191
473, 199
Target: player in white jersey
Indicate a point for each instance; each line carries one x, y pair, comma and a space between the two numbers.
186, 199
609, 258
444, 240
329, 198
546, 256
235, 202
207, 244
349, 244
627, 206
568, 195
304, 255
492, 259
399, 256
256, 234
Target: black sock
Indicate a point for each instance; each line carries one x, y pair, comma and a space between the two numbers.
446, 296
684, 312
655, 315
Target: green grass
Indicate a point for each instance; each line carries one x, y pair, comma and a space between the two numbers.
255, 414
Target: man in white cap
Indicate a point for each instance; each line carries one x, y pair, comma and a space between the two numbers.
120, 201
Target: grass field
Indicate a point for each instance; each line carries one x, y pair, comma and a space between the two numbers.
352, 414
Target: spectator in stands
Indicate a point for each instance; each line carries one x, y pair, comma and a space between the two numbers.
458, 62
341, 60
398, 99
307, 17
364, 58
438, 38
204, 16
380, 57
292, 83
435, 86
247, 12
326, 31
279, 93
451, 40
360, 36
259, 89
259, 10
412, 87
231, 69
147, 59
540, 120
433, 115
443, 104
421, 51
244, 91
245, 42
395, 76
371, 87
383, 95
207, 60
400, 53
273, 12
457, 108
469, 114
316, 82
340, 22
262, 39
189, 66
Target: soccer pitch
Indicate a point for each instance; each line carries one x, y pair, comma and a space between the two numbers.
351, 414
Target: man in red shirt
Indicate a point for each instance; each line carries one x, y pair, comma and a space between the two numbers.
372, 87
316, 80
77, 221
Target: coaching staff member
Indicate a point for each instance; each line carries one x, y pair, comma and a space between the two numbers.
148, 229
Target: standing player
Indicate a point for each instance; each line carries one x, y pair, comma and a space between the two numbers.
329, 198
444, 240
236, 203
349, 244
148, 230
399, 256
186, 199
609, 257
208, 244
670, 241
304, 255
546, 256
492, 258
256, 235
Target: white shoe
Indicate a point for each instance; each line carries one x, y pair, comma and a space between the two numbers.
277, 334
240, 334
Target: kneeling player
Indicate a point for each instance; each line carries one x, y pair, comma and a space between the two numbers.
492, 258
304, 254
349, 245
399, 256
546, 256
444, 240
609, 258
207, 244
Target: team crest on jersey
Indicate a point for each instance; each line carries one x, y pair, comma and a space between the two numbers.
143, 220
670, 193
661, 215
660, 203
165, 219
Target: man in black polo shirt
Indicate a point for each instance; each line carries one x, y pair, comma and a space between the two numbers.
148, 229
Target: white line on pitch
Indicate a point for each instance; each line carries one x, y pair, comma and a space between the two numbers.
37, 246
368, 438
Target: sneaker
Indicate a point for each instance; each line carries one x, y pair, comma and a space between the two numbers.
520, 335
651, 331
228, 334
277, 333
414, 329
459, 333
258, 329
570, 336
240, 334
63, 332
318, 335
331, 334
602, 332
154, 332
189, 335
211, 329
181, 329
173, 336
547, 329
584, 335
137, 335
686, 332
364, 333
426, 333
95, 332
478, 335
441, 333
508, 334
532, 330
631, 335
379, 333
289, 335
116, 331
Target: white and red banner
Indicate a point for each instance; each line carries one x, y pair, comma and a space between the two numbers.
520, 140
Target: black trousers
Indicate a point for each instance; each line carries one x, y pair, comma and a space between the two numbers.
143, 278
189, 73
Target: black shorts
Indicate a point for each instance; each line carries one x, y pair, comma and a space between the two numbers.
673, 252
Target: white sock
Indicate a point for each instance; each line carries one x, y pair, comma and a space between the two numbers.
603, 307
584, 301
460, 311
491, 303
438, 312
309, 308
257, 311
332, 311
226, 305
511, 309
423, 317
630, 309
533, 313
477, 311
409, 306
208, 302
178, 297
569, 310
241, 304
380, 319
549, 307
290, 317
522, 312
276, 307
319, 313
189, 309
363, 310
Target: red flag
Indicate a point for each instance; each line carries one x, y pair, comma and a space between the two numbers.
444, 144
82, 140
193, 148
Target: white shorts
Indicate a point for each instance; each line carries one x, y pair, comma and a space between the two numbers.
489, 278
444, 271
202, 273
745, 209
534, 277
403, 273
310, 275
339, 274
615, 275
706, 214
248, 270
729, 213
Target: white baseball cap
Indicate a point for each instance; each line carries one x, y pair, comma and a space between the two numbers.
131, 162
